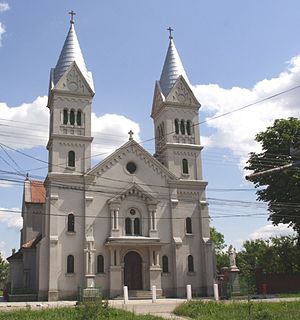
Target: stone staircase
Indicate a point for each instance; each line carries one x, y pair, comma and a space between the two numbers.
141, 295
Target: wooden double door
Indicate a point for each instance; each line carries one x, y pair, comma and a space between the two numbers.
133, 271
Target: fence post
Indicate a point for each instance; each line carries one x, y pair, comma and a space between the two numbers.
153, 294
188, 292
125, 293
216, 291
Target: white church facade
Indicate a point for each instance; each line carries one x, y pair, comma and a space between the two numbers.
134, 219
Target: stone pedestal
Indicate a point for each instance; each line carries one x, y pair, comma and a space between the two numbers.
52, 295
115, 276
234, 280
155, 277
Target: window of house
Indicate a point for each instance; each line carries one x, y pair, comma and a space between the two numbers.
190, 263
162, 130
70, 264
176, 126
71, 223
100, 264
182, 127
188, 127
188, 225
65, 117
71, 159
78, 118
165, 264
72, 117
185, 166
136, 226
128, 226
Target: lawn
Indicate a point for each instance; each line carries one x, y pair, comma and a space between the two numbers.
74, 314
240, 311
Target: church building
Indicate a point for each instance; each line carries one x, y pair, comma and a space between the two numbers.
134, 219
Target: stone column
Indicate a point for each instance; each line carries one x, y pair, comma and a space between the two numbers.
152, 220
155, 270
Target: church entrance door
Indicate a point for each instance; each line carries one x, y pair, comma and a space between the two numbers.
133, 271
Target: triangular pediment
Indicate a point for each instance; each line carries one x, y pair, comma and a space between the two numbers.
133, 190
158, 99
73, 81
129, 148
181, 93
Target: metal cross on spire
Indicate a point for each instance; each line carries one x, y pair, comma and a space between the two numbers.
170, 32
130, 135
72, 13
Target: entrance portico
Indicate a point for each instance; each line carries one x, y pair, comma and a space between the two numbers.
134, 263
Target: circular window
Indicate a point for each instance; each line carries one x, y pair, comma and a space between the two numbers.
131, 167
132, 212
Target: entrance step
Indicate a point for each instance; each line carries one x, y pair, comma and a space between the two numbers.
143, 294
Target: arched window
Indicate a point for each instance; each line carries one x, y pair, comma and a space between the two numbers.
65, 119
128, 226
71, 159
182, 127
190, 263
100, 264
185, 166
78, 118
162, 130
71, 223
165, 264
176, 126
136, 226
72, 117
188, 127
188, 225
70, 264
158, 132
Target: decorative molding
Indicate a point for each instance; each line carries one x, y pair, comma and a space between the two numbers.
186, 153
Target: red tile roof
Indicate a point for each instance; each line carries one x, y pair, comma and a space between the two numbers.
38, 192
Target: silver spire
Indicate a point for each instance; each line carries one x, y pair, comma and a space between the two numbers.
71, 52
172, 68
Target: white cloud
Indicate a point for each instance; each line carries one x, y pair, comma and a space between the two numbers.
2, 31
2, 251
22, 131
110, 131
10, 219
237, 131
269, 230
4, 6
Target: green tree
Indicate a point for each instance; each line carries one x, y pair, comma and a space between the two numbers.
281, 189
3, 271
222, 259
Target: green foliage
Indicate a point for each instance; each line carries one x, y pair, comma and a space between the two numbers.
3, 271
222, 258
73, 314
281, 190
283, 252
239, 310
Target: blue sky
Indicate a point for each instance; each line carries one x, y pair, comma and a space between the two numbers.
234, 53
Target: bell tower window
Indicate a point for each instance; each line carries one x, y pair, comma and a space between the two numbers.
176, 126
182, 127
72, 117
71, 159
188, 127
65, 116
78, 118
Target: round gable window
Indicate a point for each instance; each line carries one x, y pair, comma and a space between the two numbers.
131, 167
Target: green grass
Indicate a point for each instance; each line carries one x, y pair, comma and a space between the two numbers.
74, 314
240, 311
289, 295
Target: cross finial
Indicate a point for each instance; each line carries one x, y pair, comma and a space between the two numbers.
72, 13
130, 135
170, 32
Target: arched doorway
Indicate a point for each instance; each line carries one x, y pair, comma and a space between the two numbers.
133, 271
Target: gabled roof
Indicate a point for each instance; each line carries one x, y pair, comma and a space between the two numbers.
133, 190
131, 144
34, 191
71, 52
172, 69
